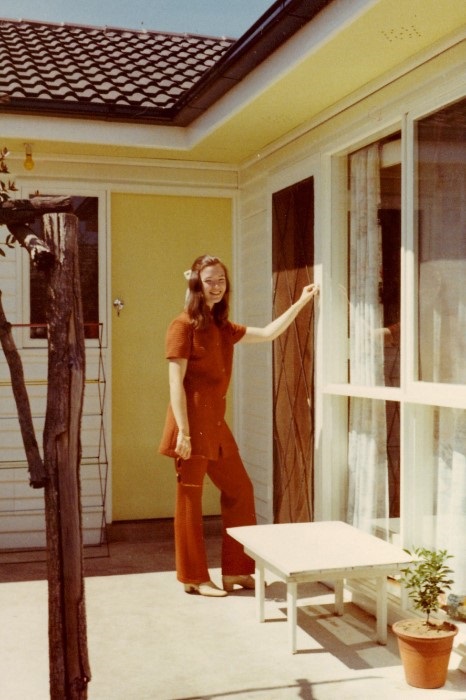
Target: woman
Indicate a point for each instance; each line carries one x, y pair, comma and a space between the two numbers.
199, 348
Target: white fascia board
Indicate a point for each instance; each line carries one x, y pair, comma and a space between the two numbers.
331, 20
100, 133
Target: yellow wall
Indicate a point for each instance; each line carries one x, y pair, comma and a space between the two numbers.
154, 239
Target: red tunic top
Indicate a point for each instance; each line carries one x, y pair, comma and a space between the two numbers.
210, 358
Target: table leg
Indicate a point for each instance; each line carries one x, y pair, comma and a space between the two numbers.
381, 609
291, 599
260, 591
339, 604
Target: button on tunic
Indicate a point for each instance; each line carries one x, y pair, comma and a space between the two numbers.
210, 359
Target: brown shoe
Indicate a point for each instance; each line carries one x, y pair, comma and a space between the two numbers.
243, 580
208, 588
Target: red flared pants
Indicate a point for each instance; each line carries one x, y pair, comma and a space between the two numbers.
237, 508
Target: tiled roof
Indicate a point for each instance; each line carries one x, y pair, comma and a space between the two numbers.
134, 75
105, 72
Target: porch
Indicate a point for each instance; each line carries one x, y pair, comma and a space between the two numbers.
149, 640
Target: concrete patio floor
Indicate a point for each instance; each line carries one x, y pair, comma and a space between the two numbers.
148, 640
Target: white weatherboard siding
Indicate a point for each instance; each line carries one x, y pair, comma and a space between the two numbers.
22, 520
22, 523
254, 362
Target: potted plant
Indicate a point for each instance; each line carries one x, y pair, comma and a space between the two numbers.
425, 645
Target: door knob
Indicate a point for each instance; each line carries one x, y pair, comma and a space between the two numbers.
118, 304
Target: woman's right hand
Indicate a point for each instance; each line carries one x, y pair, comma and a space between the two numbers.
183, 446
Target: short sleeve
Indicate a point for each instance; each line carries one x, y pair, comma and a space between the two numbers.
237, 331
178, 341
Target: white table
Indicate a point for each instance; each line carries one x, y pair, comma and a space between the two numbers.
320, 551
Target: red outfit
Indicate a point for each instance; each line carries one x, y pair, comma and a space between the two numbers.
213, 448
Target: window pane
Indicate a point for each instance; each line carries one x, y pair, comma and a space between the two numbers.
441, 190
440, 468
86, 209
374, 264
374, 466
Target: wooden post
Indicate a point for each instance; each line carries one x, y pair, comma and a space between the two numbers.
17, 214
39, 253
69, 665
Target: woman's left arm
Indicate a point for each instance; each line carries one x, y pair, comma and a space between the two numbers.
276, 327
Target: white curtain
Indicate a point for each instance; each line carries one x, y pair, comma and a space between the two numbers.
450, 521
442, 319
367, 449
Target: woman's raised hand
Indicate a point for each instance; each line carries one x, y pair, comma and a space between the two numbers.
309, 291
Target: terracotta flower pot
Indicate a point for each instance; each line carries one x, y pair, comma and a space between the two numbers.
425, 651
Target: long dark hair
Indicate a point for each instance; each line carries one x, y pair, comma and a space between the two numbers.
195, 304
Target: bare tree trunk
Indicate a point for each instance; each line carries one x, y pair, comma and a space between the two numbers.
69, 665
37, 474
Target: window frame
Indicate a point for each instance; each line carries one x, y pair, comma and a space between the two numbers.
416, 398
335, 368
